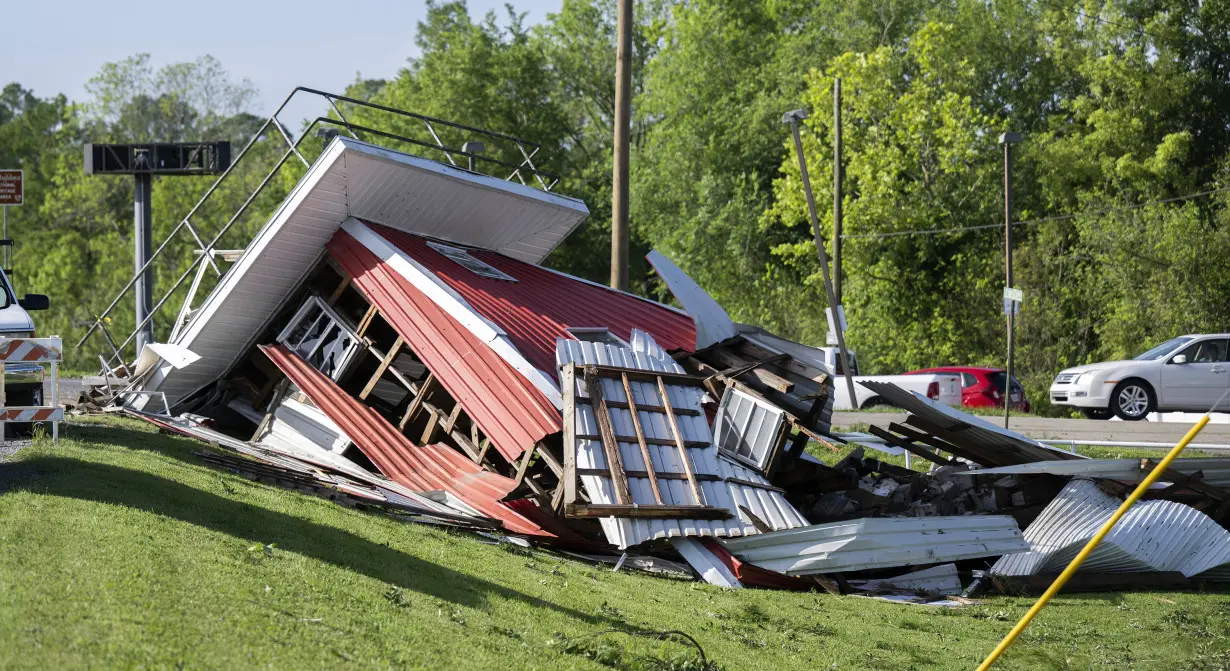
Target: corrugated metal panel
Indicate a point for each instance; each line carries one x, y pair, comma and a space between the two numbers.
508, 408
624, 532
1215, 472
355, 178
420, 468
880, 542
543, 304
713, 325
748, 427
1151, 536
999, 446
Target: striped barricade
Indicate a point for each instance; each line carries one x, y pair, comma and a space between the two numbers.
32, 351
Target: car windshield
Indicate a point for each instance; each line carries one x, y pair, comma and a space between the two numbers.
1163, 349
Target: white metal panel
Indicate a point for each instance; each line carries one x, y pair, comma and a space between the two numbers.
713, 325
353, 178
1151, 536
1212, 471
710, 568
625, 532
298, 425
879, 543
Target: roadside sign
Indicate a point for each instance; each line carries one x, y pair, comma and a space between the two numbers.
1012, 307
11, 187
1011, 294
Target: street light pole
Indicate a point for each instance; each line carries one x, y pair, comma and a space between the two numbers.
1007, 140
795, 118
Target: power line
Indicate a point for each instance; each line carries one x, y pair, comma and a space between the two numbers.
1041, 220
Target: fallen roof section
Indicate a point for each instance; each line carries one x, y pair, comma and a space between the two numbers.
974, 438
740, 494
1151, 536
505, 403
1215, 471
542, 304
353, 178
880, 542
428, 468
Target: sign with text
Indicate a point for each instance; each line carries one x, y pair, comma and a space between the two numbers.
1011, 294
11, 187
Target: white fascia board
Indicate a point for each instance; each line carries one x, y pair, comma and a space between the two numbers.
250, 254
713, 325
455, 305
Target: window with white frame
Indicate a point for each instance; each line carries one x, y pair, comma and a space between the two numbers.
318, 335
463, 258
596, 334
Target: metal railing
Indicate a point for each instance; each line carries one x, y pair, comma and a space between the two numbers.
527, 150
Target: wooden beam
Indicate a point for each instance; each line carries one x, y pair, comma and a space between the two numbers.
586, 510
736, 366
451, 421
412, 409
523, 467
337, 293
384, 365
680, 444
908, 446
645, 375
610, 444
755, 485
429, 432
1194, 481
640, 440
792, 365
361, 331
549, 459
568, 484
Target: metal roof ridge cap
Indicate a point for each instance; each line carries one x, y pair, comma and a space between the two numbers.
480, 180
454, 304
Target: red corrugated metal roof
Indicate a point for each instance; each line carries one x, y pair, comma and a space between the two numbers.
542, 304
419, 468
504, 403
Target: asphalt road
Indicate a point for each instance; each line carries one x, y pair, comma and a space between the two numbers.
1045, 428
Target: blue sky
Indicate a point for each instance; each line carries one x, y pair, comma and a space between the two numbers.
55, 47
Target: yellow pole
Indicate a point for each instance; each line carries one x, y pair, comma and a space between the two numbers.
1093, 543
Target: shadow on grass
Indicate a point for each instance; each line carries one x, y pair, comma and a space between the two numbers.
103, 483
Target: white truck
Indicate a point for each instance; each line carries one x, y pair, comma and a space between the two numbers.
23, 383
942, 387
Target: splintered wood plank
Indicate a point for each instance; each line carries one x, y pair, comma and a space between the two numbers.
640, 440
429, 432
644, 375
568, 481
647, 407
523, 467
366, 321
684, 457
452, 418
384, 365
610, 446
417, 404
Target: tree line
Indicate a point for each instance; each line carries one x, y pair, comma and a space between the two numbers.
1120, 182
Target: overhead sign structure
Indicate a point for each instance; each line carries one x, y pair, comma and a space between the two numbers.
12, 189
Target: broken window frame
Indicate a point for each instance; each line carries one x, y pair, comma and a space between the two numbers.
465, 259
334, 321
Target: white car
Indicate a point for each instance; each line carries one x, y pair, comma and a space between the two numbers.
1188, 373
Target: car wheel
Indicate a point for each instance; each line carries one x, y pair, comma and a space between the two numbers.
1132, 400
1097, 413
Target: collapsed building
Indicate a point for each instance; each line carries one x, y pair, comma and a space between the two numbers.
390, 338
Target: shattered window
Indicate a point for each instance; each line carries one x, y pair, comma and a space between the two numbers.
472, 264
319, 336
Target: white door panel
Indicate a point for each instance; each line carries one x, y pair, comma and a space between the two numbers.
1200, 381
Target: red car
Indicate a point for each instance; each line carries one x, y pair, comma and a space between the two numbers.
983, 387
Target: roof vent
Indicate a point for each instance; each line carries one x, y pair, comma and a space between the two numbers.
462, 257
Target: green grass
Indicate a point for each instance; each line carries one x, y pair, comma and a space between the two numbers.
120, 549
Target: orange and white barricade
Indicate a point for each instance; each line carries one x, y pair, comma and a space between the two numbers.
14, 351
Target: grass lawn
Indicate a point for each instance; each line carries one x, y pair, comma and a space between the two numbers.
118, 548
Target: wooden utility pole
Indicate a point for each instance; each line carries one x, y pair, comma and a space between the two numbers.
795, 118
1008, 139
623, 121
838, 174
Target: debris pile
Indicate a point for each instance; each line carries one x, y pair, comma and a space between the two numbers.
418, 360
